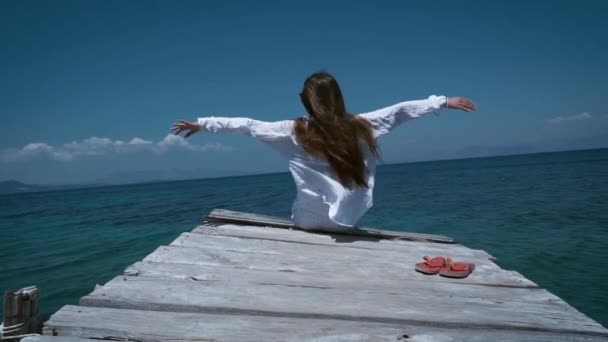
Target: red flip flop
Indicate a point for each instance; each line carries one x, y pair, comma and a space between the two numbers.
431, 265
453, 269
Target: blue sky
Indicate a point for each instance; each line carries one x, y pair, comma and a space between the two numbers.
89, 89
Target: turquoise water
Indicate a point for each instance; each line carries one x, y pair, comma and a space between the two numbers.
544, 215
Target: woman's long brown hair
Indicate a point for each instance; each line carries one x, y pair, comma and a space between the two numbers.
333, 133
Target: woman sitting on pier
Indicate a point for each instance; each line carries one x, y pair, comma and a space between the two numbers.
332, 154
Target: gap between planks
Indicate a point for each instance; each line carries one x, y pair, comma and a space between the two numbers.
252, 219
304, 237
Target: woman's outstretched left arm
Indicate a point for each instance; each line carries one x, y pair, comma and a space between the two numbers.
386, 119
263, 130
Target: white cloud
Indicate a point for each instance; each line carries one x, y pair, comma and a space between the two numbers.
565, 118
177, 142
95, 146
34, 151
139, 141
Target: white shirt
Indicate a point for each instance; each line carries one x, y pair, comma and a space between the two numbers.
322, 202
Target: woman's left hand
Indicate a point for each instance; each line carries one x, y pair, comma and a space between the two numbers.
461, 103
182, 125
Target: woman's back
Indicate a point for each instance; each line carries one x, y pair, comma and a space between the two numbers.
322, 202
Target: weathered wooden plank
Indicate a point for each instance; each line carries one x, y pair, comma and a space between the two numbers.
223, 215
353, 266
233, 216
237, 277
57, 339
414, 252
278, 255
104, 323
536, 312
299, 236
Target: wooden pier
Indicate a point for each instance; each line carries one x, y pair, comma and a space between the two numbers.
245, 277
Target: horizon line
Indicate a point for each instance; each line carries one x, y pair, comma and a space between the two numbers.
68, 187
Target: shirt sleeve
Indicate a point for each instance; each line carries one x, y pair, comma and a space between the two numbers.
262, 130
385, 119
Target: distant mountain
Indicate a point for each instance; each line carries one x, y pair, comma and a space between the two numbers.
13, 186
121, 178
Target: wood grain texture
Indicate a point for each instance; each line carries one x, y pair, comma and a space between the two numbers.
304, 237
220, 274
414, 252
520, 308
239, 217
56, 339
224, 276
21, 315
353, 262
99, 323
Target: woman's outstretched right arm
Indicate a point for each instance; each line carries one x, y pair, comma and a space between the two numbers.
262, 130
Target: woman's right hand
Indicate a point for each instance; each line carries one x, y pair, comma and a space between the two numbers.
461, 103
182, 125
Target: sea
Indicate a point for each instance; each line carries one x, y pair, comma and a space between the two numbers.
543, 215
